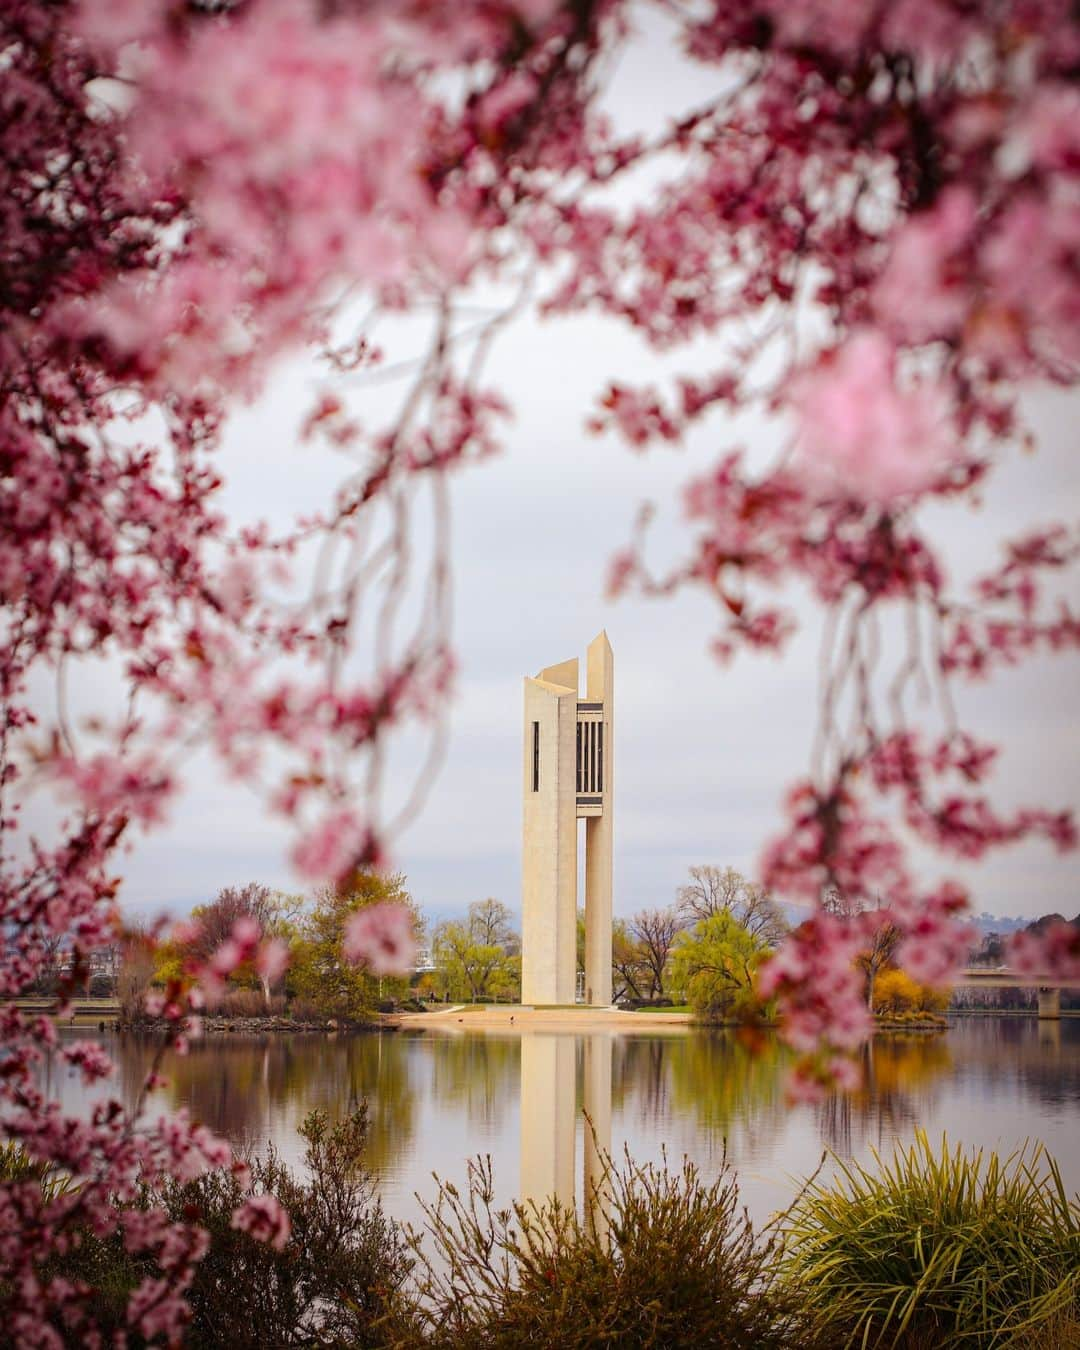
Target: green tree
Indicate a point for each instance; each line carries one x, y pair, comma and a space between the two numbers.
479, 956
716, 890
715, 962
319, 973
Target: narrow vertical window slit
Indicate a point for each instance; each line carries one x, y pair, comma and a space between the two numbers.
579, 757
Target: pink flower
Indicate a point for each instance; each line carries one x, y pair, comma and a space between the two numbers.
90, 1058
238, 587
263, 1217
502, 103
839, 28
924, 291
537, 12
937, 943
804, 1087
272, 959
246, 932
112, 23
184, 932
226, 958
859, 434
1053, 953
845, 1073
381, 937
935, 30
1050, 129
818, 988
1030, 266
328, 850
104, 783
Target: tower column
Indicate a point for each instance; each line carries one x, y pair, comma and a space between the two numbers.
549, 838
598, 920
1050, 1004
600, 835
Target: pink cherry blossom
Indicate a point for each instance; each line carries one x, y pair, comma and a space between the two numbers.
90, 1059
331, 847
1050, 127
819, 989
1053, 953
858, 428
382, 938
805, 23
1028, 266
272, 959
924, 291
264, 1219
934, 30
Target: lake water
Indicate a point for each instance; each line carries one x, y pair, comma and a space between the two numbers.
438, 1098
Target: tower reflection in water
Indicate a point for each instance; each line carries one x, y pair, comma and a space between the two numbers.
549, 1118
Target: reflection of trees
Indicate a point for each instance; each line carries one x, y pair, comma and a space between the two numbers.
242, 1087
231, 1085
1014, 1057
1020, 1055
479, 1072
897, 1071
732, 1084
640, 1067
133, 1053
376, 1070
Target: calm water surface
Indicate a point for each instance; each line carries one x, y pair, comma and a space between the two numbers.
438, 1098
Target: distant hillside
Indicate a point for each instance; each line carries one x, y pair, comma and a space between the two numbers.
985, 923
996, 923
1037, 925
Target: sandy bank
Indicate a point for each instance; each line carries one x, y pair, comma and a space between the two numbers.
505, 1017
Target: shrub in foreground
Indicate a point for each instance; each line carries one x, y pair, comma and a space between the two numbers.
335, 1281
948, 1249
338, 1278
674, 1263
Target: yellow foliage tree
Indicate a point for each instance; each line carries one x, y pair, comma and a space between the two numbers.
896, 992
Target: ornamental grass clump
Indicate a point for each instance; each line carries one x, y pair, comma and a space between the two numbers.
941, 1249
660, 1261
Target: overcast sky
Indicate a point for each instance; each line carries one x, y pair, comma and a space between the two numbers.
704, 752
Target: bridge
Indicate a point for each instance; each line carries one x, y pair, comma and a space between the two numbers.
1000, 977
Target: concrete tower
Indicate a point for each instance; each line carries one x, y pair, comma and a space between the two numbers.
569, 775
